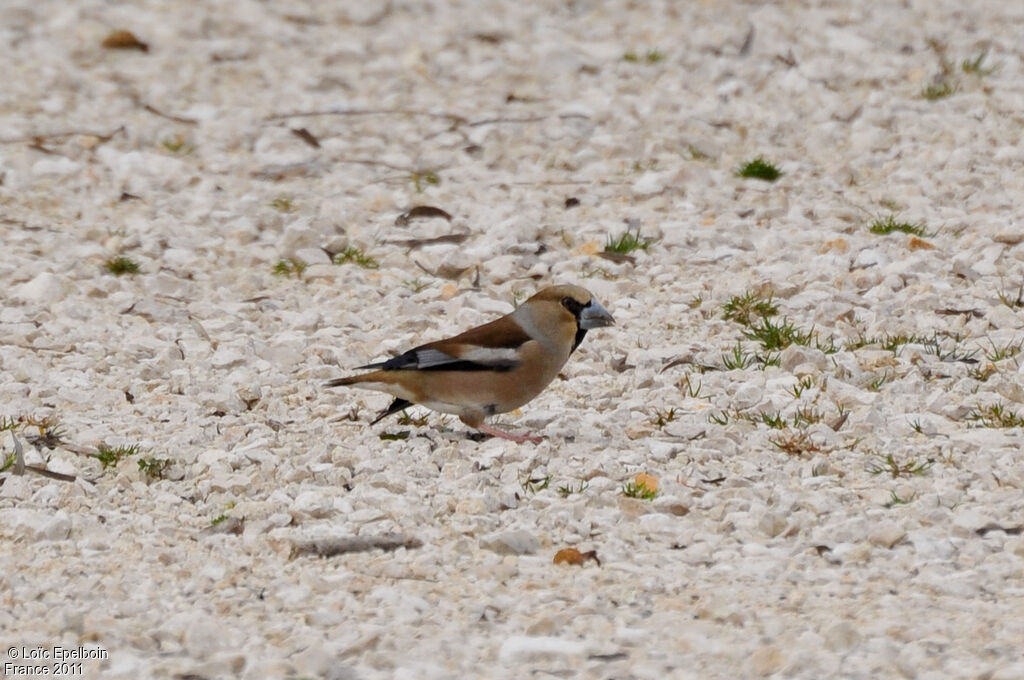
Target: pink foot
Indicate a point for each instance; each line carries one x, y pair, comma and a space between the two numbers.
517, 438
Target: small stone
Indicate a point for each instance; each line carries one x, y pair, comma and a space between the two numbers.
518, 542
525, 648
765, 660
841, 636
886, 535
36, 525
45, 288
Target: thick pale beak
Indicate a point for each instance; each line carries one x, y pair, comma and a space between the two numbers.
595, 316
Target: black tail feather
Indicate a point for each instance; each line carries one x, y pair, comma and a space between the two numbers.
396, 406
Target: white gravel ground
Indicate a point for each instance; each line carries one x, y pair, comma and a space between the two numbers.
829, 559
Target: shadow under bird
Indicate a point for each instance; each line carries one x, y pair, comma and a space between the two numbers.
493, 368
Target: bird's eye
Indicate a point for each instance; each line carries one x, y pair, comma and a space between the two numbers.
572, 305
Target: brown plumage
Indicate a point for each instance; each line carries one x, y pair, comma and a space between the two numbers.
493, 368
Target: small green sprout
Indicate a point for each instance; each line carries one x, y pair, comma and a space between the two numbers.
393, 436
738, 358
691, 390
650, 57
405, 419
289, 267
751, 305
177, 144
1007, 351
639, 489
1012, 301
894, 500
795, 442
121, 265
663, 418
534, 485
888, 225
696, 154
995, 415
424, 178
939, 89
154, 468
888, 465
759, 168
283, 204
627, 243
974, 66
111, 456
805, 383
876, 384
567, 490
357, 257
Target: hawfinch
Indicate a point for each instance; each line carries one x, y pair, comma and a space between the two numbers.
493, 368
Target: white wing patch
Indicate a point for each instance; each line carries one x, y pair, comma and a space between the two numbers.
492, 356
486, 356
425, 358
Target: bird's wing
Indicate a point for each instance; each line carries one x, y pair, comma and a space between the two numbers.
494, 346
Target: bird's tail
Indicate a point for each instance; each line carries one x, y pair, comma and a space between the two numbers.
338, 382
385, 377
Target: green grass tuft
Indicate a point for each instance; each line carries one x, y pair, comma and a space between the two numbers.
649, 57
744, 309
121, 265
627, 243
110, 457
154, 468
939, 90
759, 168
289, 267
996, 415
639, 490
357, 257
889, 225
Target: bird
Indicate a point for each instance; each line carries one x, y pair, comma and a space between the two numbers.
493, 368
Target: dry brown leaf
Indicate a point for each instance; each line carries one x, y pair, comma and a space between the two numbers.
919, 244
649, 481
124, 40
573, 556
838, 245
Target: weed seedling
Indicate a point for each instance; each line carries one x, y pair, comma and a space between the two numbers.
627, 243
639, 490
890, 466
1013, 302
650, 57
745, 309
1007, 351
289, 267
995, 415
121, 265
663, 418
974, 66
889, 225
283, 204
154, 468
535, 484
567, 490
795, 443
738, 358
424, 178
357, 257
760, 169
110, 457
939, 90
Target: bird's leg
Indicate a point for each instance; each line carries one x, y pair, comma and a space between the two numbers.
517, 438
